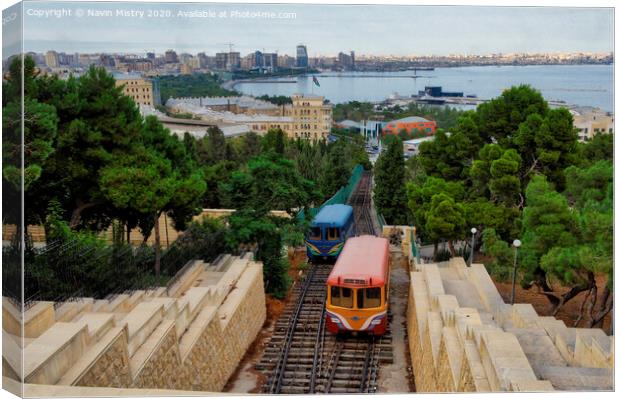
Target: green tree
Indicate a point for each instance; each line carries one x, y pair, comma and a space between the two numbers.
144, 184
335, 170
482, 214
251, 146
446, 156
215, 176
270, 182
96, 121
590, 183
547, 144
217, 144
499, 119
389, 193
274, 140
548, 222
194, 85
40, 127
600, 147
445, 220
420, 196
159, 177
501, 255
251, 227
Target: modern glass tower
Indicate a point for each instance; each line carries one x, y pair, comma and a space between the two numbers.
302, 56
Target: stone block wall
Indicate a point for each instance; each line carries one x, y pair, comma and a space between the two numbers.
464, 338
221, 313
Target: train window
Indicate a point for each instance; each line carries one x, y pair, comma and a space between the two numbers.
347, 297
333, 233
342, 297
369, 298
315, 233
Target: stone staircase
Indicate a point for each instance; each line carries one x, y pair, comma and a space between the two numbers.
463, 337
189, 335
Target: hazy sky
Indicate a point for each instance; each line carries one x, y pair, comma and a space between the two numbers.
326, 30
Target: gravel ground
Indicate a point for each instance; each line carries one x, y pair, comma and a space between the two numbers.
396, 377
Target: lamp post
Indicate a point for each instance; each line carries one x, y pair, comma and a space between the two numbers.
516, 244
473, 242
414, 242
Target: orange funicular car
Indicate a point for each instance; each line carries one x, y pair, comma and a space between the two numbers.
358, 287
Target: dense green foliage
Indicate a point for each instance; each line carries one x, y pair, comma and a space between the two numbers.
513, 169
500, 266
389, 193
93, 161
278, 100
194, 85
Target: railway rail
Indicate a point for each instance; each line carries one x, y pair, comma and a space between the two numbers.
361, 202
301, 356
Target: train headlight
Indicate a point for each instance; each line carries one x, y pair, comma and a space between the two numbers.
335, 320
377, 321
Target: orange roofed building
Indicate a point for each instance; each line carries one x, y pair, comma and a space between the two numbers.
411, 125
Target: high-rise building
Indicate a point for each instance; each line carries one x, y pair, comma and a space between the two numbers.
302, 56
270, 61
234, 61
221, 60
257, 59
185, 57
150, 55
247, 62
286, 61
347, 61
171, 57
51, 59
202, 60
106, 60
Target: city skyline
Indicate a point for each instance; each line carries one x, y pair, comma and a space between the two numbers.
376, 30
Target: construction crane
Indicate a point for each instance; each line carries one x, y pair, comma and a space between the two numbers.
230, 46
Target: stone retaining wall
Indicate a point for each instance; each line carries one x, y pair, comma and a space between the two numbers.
221, 313
464, 338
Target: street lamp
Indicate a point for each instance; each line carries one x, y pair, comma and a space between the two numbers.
414, 242
516, 244
473, 242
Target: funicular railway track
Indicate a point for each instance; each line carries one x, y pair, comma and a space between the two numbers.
361, 202
302, 357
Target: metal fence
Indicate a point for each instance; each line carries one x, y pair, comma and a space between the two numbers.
341, 197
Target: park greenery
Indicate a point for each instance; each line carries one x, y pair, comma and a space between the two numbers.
194, 85
513, 169
277, 100
92, 162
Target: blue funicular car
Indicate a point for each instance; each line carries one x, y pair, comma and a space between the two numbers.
328, 231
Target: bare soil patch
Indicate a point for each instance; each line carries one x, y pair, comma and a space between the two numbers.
568, 313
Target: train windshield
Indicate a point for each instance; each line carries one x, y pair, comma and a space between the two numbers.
342, 297
333, 233
315, 233
368, 298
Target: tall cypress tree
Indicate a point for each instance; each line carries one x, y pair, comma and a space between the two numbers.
390, 195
